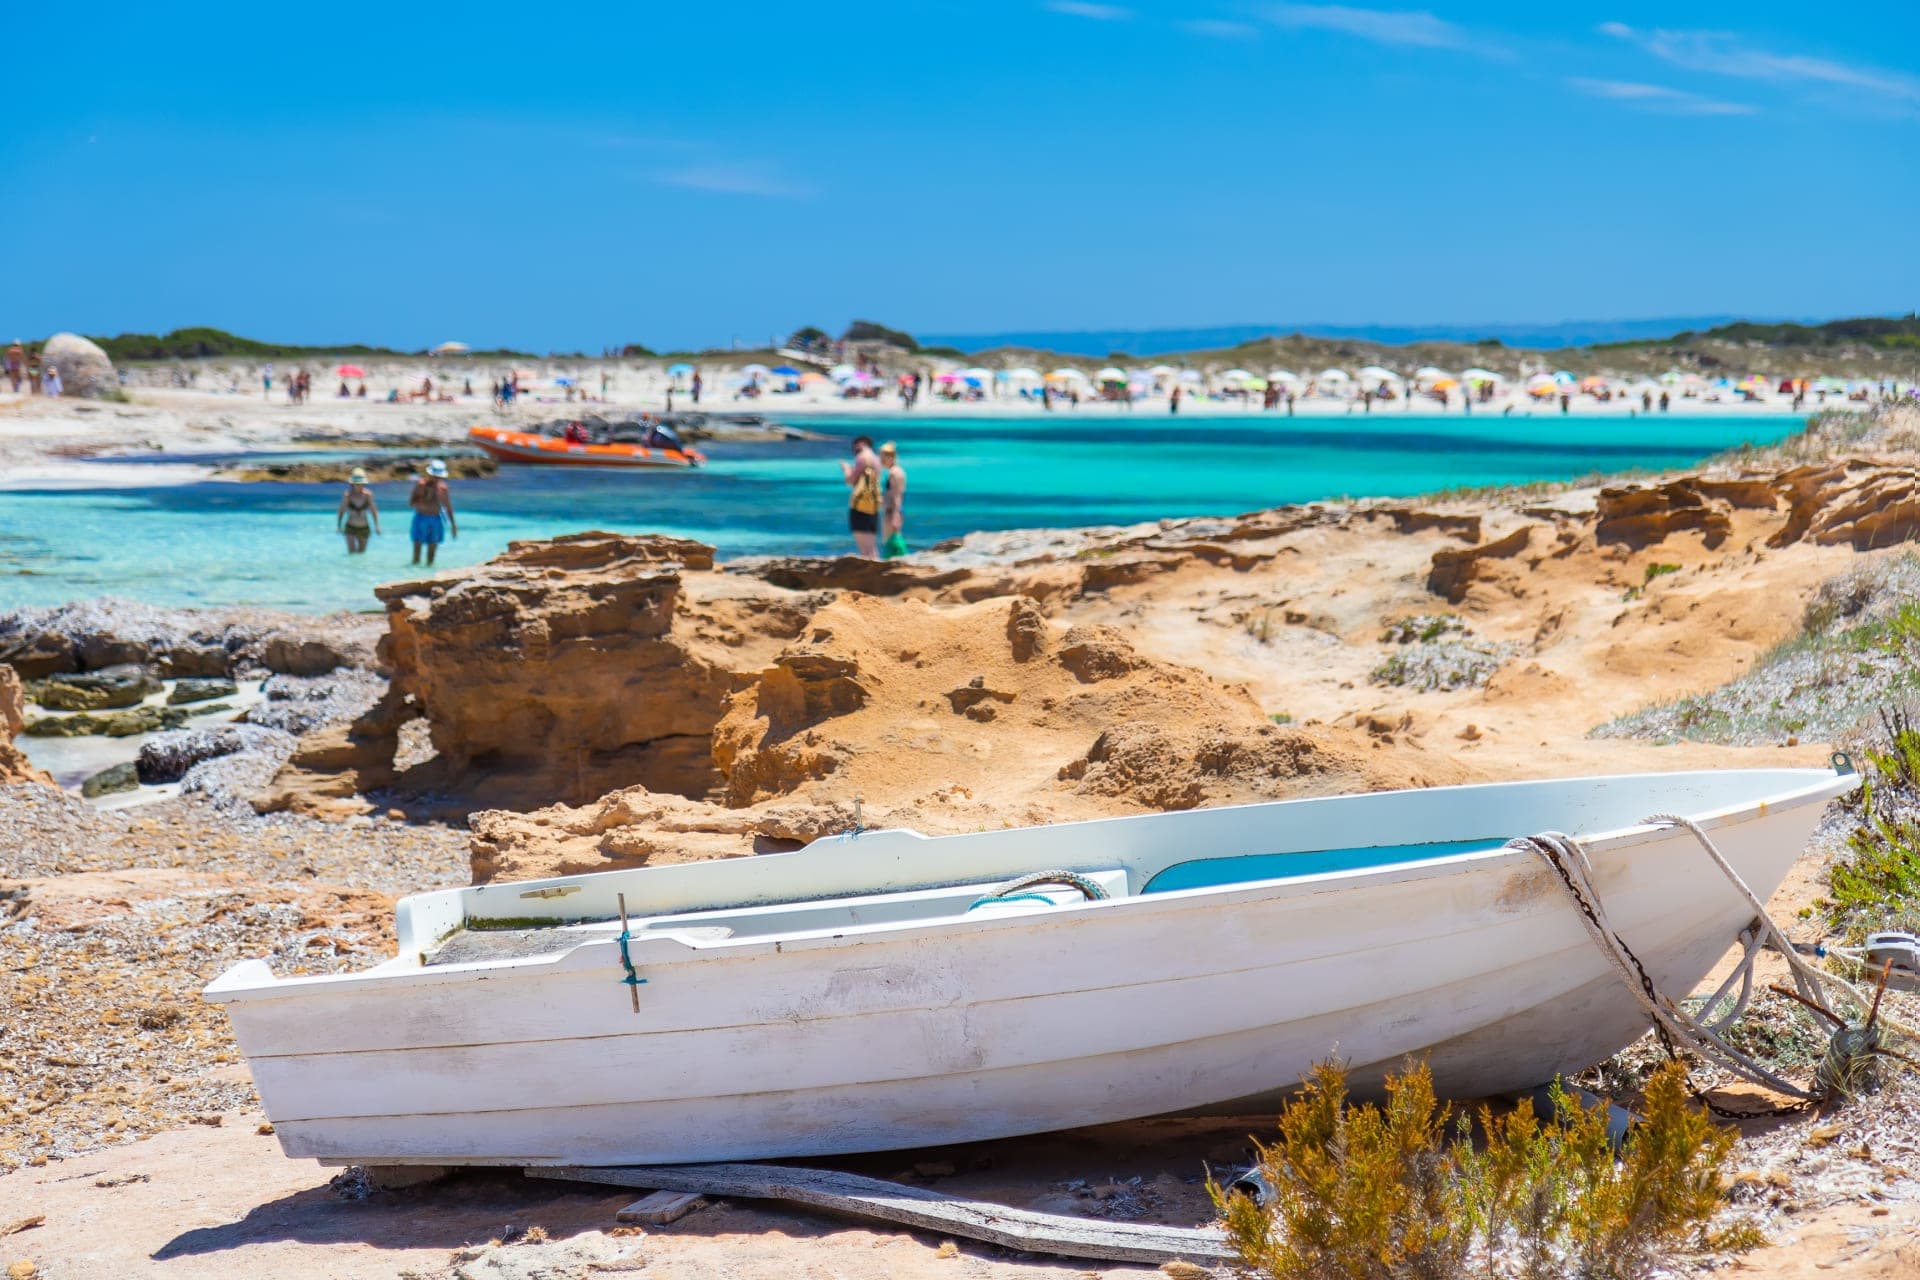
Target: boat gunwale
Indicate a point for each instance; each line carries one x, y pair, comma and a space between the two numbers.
662, 947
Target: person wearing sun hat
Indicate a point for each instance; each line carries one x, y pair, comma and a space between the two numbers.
357, 509
430, 498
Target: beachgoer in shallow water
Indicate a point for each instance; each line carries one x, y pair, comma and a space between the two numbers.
358, 515
893, 497
429, 499
863, 498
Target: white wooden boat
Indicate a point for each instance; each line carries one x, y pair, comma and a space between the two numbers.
859, 995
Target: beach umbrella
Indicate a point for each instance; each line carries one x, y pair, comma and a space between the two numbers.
452, 349
1377, 373
1284, 378
948, 376
1476, 377
1445, 384
1565, 379
1110, 374
350, 371
1334, 375
811, 379
983, 375
563, 381
1255, 384
1236, 376
842, 372
1068, 374
785, 371
756, 371
1671, 376
677, 370
1021, 374
1428, 373
1191, 375
1162, 371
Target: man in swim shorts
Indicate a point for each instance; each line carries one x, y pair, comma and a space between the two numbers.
863, 499
431, 497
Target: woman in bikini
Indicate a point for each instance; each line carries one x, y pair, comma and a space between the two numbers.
357, 511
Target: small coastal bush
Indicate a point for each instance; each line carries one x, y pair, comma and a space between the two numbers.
1437, 651
1875, 884
1379, 1192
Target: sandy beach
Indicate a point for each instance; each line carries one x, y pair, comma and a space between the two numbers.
43, 442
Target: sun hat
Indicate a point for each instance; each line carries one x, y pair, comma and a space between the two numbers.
359, 476
437, 468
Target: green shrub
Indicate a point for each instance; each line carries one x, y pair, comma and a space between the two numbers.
1376, 1192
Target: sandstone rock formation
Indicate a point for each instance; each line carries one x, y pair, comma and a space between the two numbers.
14, 766
85, 370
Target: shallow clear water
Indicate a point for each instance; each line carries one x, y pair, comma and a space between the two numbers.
221, 543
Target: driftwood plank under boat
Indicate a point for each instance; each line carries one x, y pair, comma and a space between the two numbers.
918, 1207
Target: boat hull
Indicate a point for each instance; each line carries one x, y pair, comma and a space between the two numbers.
538, 450
966, 1029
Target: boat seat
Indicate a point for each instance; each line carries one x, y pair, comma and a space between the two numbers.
691, 932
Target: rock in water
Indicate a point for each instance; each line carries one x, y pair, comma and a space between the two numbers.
199, 689
124, 723
84, 368
121, 777
118, 686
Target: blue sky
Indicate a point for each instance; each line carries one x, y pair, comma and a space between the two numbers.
562, 177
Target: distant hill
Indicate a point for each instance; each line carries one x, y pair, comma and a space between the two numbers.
1154, 342
204, 343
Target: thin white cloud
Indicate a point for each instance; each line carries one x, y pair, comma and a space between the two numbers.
1219, 28
1659, 97
1417, 28
1724, 53
734, 180
1087, 9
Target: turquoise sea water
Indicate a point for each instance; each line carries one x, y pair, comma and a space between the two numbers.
221, 543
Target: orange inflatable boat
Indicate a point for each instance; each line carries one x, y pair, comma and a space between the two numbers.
637, 445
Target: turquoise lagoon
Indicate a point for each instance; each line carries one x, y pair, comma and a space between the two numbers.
273, 544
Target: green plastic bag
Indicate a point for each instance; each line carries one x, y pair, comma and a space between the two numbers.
895, 545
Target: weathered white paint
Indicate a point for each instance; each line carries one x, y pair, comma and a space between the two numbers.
850, 1002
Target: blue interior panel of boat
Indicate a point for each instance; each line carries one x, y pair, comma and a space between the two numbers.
1207, 873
